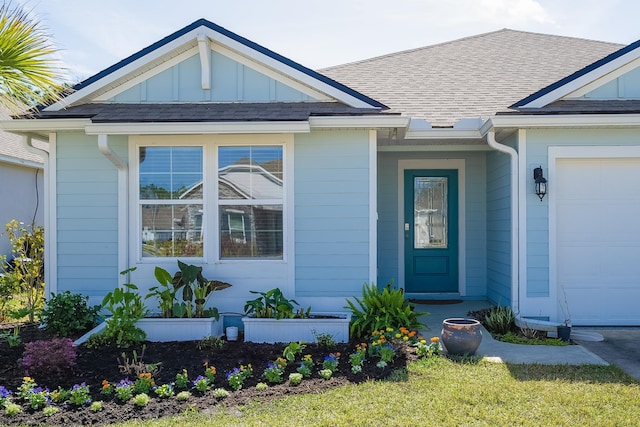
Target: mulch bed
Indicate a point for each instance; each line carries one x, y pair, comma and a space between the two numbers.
95, 365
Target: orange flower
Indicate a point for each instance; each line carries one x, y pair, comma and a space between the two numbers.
412, 333
338, 354
435, 339
105, 384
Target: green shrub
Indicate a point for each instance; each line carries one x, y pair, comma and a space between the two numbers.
66, 314
27, 267
378, 309
500, 319
126, 307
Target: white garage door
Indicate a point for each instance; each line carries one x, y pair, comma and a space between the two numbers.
598, 239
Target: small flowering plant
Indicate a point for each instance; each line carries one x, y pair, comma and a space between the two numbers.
25, 388
237, 376
210, 372
144, 383
331, 362
107, 388
79, 395
356, 359
182, 380
432, 349
201, 384
164, 391
305, 366
273, 372
59, 395
387, 353
38, 397
124, 390
5, 395
325, 373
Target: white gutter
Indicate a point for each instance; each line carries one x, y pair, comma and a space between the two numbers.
515, 283
49, 220
123, 199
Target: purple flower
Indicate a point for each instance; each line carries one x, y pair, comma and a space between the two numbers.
4, 392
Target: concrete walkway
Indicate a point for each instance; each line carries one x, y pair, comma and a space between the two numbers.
498, 351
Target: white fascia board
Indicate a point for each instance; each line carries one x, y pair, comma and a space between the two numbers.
561, 120
359, 122
20, 162
309, 83
443, 134
196, 128
49, 125
573, 87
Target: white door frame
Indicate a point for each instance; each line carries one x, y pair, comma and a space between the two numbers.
456, 164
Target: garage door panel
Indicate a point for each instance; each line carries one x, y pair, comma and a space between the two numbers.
598, 240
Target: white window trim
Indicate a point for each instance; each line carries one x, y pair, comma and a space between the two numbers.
210, 144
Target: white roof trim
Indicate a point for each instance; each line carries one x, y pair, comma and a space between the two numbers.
194, 128
373, 121
238, 49
603, 80
50, 125
20, 162
564, 120
575, 85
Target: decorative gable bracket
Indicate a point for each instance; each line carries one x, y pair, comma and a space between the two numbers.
205, 60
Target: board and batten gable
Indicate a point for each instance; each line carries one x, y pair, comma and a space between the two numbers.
474, 258
86, 215
332, 213
626, 86
230, 81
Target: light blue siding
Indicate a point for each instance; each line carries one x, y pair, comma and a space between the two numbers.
475, 226
627, 86
230, 82
537, 228
499, 228
331, 213
87, 223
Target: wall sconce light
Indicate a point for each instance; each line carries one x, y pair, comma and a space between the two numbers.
541, 182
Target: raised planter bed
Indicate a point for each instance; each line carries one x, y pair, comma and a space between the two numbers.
263, 330
160, 329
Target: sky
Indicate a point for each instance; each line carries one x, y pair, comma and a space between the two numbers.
91, 35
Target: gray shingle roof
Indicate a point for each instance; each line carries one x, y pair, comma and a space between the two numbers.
206, 112
472, 77
11, 146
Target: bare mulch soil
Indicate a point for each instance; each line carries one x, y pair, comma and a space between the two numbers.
95, 365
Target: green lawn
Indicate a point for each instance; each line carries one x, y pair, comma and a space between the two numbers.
442, 392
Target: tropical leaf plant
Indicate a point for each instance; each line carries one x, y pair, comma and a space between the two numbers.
379, 309
29, 72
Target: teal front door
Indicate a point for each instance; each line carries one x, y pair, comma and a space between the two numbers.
431, 230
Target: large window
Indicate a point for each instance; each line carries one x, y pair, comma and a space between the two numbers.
176, 188
250, 195
171, 194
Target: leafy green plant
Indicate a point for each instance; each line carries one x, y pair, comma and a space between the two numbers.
237, 376
79, 395
500, 319
49, 411
96, 406
141, 399
12, 338
183, 396
324, 340
125, 306
194, 289
305, 366
293, 349
274, 305
66, 314
27, 267
211, 343
378, 309
220, 393
135, 365
295, 378
165, 292
164, 391
12, 409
